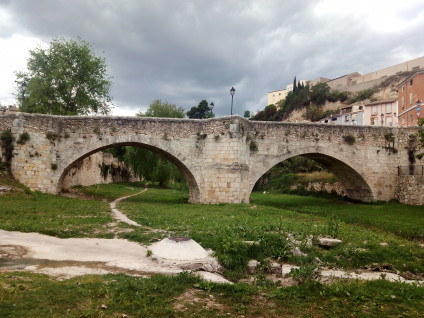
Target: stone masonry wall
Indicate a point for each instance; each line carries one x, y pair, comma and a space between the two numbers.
410, 190
88, 171
221, 158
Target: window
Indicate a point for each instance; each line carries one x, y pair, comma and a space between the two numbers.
410, 118
389, 121
361, 107
403, 88
410, 98
403, 120
374, 110
410, 82
388, 108
403, 102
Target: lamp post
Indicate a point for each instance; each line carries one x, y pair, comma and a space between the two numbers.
232, 92
24, 87
50, 101
382, 119
211, 106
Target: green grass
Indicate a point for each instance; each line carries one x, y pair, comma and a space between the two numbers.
54, 215
35, 295
225, 228
403, 220
110, 192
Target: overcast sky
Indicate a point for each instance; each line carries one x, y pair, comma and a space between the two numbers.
188, 50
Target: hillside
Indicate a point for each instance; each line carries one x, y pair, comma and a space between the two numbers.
385, 89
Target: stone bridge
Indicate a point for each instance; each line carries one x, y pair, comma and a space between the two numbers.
221, 158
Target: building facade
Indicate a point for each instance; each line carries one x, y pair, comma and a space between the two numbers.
410, 99
381, 113
276, 96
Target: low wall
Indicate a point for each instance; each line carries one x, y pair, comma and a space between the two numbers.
410, 190
335, 187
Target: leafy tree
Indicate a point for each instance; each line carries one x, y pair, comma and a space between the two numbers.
150, 165
71, 75
268, 114
319, 93
159, 109
313, 112
202, 111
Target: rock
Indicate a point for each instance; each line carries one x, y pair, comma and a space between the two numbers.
286, 269
103, 306
297, 252
276, 268
318, 260
252, 265
383, 244
328, 242
252, 243
213, 277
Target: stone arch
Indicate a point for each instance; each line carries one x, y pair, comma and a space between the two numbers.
194, 192
351, 177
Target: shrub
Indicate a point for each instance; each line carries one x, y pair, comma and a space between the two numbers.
23, 138
349, 139
7, 145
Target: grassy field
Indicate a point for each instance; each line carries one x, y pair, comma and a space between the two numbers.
225, 228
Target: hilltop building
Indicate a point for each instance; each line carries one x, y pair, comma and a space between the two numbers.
275, 96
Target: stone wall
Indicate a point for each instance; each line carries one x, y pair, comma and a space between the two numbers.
221, 158
88, 171
410, 190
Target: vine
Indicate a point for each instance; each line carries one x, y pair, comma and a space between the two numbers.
420, 135
7, 145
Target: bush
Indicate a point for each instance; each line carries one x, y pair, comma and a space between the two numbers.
349, 139
23, 138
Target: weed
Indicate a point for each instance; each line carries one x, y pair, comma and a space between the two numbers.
349, 139
51, 136
96, 130
53, 166
332, 226
201, 136
253, 146
23, 138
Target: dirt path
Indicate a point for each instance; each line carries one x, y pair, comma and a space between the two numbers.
118, 215
65, 258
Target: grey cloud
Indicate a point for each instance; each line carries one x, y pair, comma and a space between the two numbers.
186, 51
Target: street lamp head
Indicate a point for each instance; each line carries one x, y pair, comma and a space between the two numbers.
50, 100
382, 115
232, 91
211, 106
24, 86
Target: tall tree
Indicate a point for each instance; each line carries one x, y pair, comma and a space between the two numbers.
202, 111
159, 109
71, 75
294, 85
